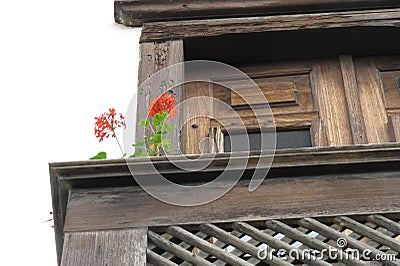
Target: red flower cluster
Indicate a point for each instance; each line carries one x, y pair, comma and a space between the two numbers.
165, 103
107, 123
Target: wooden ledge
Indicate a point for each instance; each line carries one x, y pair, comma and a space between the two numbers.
138, 12
363, 173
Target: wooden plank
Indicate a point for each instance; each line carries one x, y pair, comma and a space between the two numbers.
217, 27
157, 260
385, 222
331, 100
177, 250
197, 116
372, 101
318, 135
394, 127
368, 232
216, 144
110, 247
204, 245
353, 99
137, 12
323, 229
309, 241
337, 194
238, 243
278, 92
154, 57
275, 243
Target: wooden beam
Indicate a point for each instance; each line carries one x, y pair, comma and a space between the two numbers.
320, 195
153, 58
110, 247
353, 99
137, 12
217, 27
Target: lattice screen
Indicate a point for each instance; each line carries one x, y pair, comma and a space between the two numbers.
240, 243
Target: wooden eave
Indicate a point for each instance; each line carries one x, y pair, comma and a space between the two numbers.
161, 31
138, 12
373, 170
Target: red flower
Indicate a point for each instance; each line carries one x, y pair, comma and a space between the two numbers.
164, 104
107, 123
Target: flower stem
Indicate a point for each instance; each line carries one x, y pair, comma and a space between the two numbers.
119, 145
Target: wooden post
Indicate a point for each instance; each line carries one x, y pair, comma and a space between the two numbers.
108, 247
154, 57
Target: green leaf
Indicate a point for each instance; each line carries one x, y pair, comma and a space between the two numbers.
144, 123
157, 138
139, 144
168, 147
165, 142
168, 128
159, 118
100, 156
138, 152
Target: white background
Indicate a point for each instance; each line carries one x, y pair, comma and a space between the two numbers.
62, 63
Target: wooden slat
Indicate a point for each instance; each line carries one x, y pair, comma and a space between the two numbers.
177, 250
278, 92
110, 247
333, 234
394, 127
275, 243
157, 260
311, 242
196, 117
385, 222
368, 232
218, 27
353, 99
206, 246
228, 238
331, 100
372, 102
216, 144
154, 57
137, 12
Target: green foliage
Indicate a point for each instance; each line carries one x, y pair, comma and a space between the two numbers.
157, 143
100, 156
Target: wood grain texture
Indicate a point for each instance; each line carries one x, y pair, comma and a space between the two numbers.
137, 12
372, 100
154, 57
331, 100
318, 135
275, 93
109, 247
197, 116
284, 197
394, 127
217, 27
353, 99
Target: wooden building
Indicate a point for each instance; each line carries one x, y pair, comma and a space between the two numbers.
331, 72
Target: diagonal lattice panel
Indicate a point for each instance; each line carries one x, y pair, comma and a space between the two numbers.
244, 243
